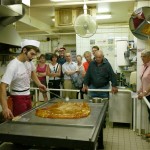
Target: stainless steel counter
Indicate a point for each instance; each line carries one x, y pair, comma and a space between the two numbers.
72, 133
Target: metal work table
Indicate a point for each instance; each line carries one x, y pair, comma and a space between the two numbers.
80, 133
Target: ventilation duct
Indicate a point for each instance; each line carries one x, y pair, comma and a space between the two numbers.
10, 12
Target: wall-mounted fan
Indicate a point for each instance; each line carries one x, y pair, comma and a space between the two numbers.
85, 25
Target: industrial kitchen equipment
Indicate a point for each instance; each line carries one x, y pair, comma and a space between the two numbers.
120, 107
83, 133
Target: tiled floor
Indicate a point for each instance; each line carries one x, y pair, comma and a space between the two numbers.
121, 137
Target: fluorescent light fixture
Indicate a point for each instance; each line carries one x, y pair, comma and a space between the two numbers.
26, 2
103, 7
103, 10
103, 16
53, 19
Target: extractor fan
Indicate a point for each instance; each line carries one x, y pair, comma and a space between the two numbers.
85, 25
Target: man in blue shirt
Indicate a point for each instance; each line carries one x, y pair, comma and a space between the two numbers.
61, 61
99, 75
61, 57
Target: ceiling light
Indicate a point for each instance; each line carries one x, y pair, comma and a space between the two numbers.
103, 10
103, 7
103, 16
53, 19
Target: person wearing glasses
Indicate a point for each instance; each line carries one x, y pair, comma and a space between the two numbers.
144, 89
17, 76
70, 71
61, 61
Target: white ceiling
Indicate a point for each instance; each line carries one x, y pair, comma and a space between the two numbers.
38, 17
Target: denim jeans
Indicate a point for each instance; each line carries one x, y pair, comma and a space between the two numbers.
99, 94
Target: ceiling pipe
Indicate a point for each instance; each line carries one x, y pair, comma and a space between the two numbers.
8, 12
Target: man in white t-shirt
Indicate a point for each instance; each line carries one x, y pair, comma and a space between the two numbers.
18, 74
69, 69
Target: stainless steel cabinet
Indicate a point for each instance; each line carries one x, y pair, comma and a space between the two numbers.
120, 107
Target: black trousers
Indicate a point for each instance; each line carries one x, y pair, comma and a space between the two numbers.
82, 94
148, 98
54, 84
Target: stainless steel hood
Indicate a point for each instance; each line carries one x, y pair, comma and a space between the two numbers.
10, 12
8, 35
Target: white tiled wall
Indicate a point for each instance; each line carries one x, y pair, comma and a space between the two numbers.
102, 39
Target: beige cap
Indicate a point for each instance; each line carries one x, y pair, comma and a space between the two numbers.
26, 42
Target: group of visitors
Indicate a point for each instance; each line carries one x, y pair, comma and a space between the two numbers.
95, 73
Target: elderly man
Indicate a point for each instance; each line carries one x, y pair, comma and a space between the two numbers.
145, 80
69, 69
18, 74
98, 76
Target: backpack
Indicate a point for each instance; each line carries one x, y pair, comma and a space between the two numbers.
77, 80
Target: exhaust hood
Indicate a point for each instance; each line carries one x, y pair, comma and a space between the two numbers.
10, 12
8, 35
